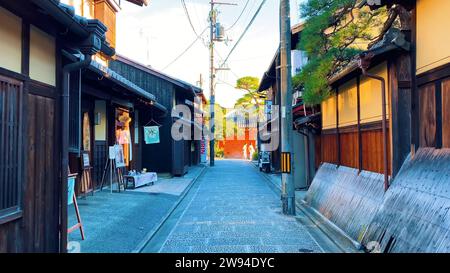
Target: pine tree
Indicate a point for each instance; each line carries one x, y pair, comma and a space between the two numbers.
335, 31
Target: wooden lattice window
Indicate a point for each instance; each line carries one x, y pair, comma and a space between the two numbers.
11, 146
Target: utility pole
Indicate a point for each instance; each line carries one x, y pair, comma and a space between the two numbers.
212, 75
287, 178
212, 23
200, 82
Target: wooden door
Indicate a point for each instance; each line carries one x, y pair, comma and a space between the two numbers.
41, 199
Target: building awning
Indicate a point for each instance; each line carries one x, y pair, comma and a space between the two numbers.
270, 76
125, 83
177, 82
307, 119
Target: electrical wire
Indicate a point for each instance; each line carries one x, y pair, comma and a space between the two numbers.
239, 17
183, 3
186, 50
245, 31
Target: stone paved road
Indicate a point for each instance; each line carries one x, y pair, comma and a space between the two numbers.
234, 210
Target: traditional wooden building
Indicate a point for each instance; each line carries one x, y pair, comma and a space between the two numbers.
105, 108
413, 215
356, 154
168, 156
34, 81
396, 194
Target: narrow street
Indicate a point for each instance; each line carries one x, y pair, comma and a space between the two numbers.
231, 208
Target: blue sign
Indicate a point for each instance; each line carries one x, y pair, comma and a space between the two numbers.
151, 134
70, 190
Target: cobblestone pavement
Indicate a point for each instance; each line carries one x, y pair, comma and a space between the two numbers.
234, 210
118, 222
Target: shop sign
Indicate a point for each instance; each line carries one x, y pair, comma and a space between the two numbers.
151, 134
119, 157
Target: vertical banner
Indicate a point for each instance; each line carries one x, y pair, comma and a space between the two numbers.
203, 152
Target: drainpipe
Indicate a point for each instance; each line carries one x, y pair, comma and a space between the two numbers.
364, 63
67, 69
307, 158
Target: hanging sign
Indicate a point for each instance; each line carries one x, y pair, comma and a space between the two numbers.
151, 134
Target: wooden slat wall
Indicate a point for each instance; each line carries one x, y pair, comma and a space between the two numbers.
349, 149
11, 92
427, 97
329, 148
371, 148
10, 119
37, 230
446, 113
372, 151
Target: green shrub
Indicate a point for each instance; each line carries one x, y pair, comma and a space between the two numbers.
255, 156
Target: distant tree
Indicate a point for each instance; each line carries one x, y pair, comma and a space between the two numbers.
250, 85
251, 98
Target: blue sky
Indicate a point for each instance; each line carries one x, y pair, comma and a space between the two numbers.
157, 34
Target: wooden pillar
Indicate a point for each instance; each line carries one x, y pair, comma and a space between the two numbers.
338, 138
438, 96
415, 106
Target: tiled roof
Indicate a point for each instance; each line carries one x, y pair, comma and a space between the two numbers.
120, 80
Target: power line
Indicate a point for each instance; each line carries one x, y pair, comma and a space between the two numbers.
184, 51
183, 3
239, 17
245, 31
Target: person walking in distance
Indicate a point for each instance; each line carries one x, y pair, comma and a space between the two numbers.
251, 151
244, 151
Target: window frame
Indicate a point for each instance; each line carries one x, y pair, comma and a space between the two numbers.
15, 212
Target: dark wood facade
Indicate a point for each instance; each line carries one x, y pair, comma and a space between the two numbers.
29, 219
173, 157
32, 217
94, 89
434, 108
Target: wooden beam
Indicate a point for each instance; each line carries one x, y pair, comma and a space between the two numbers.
25, 70
415, 106
337, 129
438, 97
358, 110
